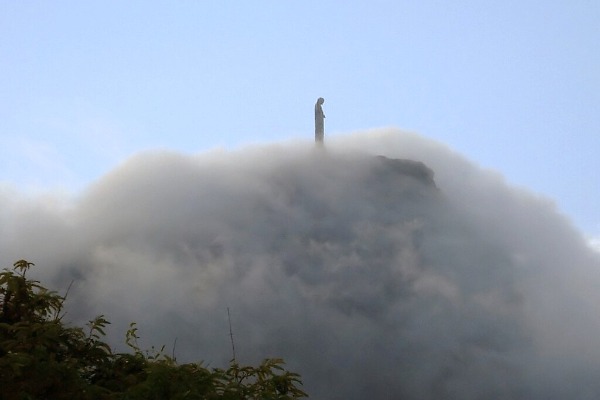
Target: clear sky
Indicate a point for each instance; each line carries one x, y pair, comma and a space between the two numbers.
512, 85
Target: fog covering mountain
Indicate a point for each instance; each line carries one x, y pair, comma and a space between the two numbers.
373, 277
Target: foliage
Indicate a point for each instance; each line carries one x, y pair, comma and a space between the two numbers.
43, 358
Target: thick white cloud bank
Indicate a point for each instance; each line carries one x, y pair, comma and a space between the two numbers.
368, 279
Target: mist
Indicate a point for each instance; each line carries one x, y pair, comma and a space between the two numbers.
416, 275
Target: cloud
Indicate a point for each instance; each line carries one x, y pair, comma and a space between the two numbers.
594, 243
33, 161
370, 279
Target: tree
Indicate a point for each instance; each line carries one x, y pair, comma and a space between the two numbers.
41, 357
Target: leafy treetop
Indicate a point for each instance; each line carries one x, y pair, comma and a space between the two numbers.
43, 358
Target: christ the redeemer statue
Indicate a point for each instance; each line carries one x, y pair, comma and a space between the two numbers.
319, 121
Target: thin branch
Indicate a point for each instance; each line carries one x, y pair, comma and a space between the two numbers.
231, 334
57, 316
173, 352
68, 289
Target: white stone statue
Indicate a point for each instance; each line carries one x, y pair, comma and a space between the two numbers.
319, 121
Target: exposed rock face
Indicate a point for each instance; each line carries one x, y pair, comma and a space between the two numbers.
415, 169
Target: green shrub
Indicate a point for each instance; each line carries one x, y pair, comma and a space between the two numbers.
43, 358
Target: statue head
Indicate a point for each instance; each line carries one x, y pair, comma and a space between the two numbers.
320, 100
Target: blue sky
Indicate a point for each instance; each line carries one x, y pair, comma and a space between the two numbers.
512, 85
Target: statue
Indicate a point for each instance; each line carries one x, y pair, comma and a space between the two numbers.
319, 121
